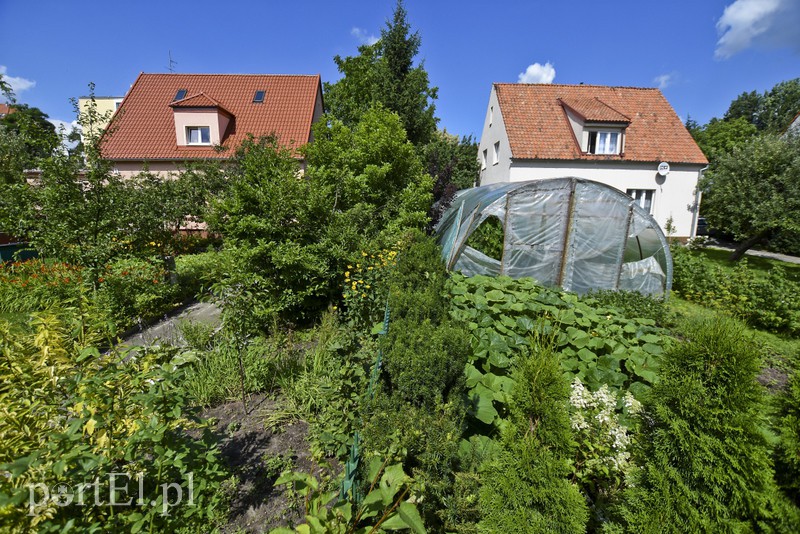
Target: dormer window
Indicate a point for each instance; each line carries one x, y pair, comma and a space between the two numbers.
603, 142
198, 135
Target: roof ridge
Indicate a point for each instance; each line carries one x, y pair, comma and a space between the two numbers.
223, 74
577, 85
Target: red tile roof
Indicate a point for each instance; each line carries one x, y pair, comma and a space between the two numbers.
200, 100
5, 109
594, 110
538, 128
143, 127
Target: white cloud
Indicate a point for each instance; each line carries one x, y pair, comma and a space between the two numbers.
66, 125
664, 80
17, 84
63, 128
746, 23
538, 73
363, 36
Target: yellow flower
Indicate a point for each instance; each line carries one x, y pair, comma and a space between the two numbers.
363, 295
364, 254
369, 268
367, 286
347, 274
349, 266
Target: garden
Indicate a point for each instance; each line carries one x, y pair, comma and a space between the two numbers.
354, 385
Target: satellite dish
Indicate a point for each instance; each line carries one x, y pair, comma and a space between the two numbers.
663, 168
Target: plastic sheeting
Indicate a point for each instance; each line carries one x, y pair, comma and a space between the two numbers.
569, 232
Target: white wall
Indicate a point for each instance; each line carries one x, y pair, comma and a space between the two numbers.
674, 195
492, 133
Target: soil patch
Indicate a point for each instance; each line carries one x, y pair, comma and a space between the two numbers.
256, 456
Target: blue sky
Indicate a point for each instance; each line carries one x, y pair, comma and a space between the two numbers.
702, 53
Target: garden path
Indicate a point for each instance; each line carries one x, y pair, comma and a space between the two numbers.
168, 331
763, 254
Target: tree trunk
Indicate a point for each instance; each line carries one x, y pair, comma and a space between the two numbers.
746, 245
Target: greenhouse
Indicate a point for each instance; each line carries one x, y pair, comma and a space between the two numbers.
573, 233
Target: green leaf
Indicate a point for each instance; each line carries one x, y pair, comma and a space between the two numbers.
484, 410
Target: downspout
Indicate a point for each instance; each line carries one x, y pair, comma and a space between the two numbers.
698, 195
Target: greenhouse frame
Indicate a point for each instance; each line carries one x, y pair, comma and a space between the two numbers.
572, 233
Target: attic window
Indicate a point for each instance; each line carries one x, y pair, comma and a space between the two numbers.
259, 97
180, 95
603, 142
198, 135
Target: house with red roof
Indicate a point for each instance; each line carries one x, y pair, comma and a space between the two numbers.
168, 120
627, 137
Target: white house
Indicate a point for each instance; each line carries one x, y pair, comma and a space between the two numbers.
620, 136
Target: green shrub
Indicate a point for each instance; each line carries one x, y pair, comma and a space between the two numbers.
198, 272
425, 440
705, 457
425, 362
135, 289
787, 458
71, 416
632, 304
526, 487
764, 301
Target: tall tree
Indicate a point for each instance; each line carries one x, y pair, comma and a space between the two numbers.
753, 193
720, 137
37, 133
453, 164
771, 111
384, 74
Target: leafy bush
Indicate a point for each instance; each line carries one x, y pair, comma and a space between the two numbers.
597, 345
765, 302
288, 238
71, 417
133, 288
385, 506
425, 440
705, 457
632, 304
198, 272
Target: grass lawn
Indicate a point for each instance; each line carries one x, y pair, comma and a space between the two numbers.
756, 263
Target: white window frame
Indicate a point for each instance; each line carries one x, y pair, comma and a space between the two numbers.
484, 157
200, 130
496, 154
645, 198
602, 138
